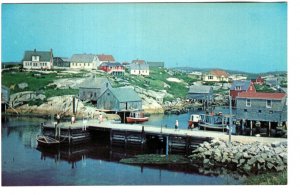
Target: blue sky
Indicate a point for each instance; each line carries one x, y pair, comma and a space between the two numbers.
249, 37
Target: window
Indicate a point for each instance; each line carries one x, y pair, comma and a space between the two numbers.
259, 111
248, 102
271, 112
238, 88
245, 110
269, 104
210, 77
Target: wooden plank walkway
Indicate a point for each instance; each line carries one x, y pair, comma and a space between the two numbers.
168, 131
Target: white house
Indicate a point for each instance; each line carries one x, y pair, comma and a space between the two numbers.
38, 59
216, 76
138, 69
84, 61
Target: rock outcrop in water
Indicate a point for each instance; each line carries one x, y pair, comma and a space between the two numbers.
245, 158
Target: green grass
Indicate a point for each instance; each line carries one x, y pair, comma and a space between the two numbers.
263, 88
279, 178
156, 159
11, 79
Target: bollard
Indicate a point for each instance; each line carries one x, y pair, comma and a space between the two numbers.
167, 147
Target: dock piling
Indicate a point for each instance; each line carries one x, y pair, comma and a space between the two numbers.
167, 146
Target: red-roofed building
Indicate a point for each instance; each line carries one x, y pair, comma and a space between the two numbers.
258, 106
216, 76
105, 58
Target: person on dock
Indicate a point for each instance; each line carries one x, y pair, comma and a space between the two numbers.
73, 119
176, 124
58, 118
100, 118
84, 121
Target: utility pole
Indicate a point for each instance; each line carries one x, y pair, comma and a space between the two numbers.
230, 119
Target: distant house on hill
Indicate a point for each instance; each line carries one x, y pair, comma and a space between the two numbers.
105, 58
38, 60
140, 62
216, 76
240, 86
259, 80
200, 93
114, 68
60, 62
92, 88
156, 64
137, 69
119, 99
84, 61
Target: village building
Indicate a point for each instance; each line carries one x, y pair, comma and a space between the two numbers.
138, 69
114, 68
119, 99
38, 60
105, 58
137, 61
240, 86
84, 61
216, 76
61, 63
92, 88
5, 94
195, 75
270, 108
237, 77
156, 64
259, 80
200, 93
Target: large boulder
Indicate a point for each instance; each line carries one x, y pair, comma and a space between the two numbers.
22, 85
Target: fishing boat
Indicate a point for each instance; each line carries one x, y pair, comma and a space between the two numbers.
46, 141
194, 121
136, 117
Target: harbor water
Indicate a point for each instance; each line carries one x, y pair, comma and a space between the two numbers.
94, 163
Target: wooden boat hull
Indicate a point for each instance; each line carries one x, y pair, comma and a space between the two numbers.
136, 120
46, 141
215, 127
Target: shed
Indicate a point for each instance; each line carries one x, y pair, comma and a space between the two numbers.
119, 99
92, 88
200, 92
5, 92
271, 107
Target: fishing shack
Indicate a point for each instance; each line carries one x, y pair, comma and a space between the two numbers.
201, 93
121, 100
92, 88
5, 92
262, 110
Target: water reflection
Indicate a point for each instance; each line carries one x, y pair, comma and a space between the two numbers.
95, 163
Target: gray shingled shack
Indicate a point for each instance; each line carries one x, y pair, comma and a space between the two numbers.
92, 88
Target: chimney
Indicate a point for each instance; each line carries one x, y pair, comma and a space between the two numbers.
34, 50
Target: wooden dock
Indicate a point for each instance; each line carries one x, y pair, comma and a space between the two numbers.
124, 134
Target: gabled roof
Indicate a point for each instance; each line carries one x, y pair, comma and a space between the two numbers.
111, 64
83, 58
200, 89
139, 67
44, 55
243, 84
108, 58
261, 95
219, 73
138, 62
94, 82
124, 94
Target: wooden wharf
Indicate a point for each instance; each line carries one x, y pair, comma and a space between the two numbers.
139, 134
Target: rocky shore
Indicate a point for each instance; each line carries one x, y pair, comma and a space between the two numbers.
245, 158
